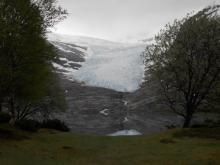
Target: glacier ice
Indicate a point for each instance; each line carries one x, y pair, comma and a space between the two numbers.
110, 65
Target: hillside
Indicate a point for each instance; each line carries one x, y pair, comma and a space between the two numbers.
95, 75
101, 80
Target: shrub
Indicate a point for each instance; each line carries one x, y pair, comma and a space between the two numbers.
28, 125
4, 117
199, 125
208, 124
205, 132
172, 126
55, 124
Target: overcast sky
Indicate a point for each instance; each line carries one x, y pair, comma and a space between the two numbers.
123, 19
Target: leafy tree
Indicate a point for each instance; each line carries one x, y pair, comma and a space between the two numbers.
185, 62
50, 13
25, 54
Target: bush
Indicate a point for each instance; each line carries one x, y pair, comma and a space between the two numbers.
172, 126
28, 125
205, 132
199, 126
207, 124
33, 125
55, 124
4, 117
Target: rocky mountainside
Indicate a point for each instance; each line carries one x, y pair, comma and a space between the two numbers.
103, 96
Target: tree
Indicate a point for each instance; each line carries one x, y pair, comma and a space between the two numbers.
25, 54
185, 62
50, 13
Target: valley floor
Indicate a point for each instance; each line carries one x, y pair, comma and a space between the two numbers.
49, 147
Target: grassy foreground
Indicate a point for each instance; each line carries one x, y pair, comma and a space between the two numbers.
49, 147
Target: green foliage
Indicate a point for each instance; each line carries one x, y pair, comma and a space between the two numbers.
50, 12
34, 125
55, 124
204, 132
207, 124
185, 60
25, 54
28, 125
213, 101
4, 117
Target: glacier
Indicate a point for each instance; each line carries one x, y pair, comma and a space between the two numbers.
116, 66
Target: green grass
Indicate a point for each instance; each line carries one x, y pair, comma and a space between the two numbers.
49, 147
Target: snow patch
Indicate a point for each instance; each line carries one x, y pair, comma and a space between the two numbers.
125, 120
61, 48
60, 67
125, 102
104, 112
131, 132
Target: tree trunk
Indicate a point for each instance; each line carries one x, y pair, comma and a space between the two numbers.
1, 102
12, 111
0, 106
187, 122
188, 118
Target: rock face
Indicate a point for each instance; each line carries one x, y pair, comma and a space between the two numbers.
101, 111
147, 115
92, 110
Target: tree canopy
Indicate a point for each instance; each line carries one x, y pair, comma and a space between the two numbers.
25, 54
185, 62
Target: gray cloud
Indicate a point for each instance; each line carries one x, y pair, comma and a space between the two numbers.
120, 19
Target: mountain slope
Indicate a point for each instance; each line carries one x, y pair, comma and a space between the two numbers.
85, 66
91, 110
105, 64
